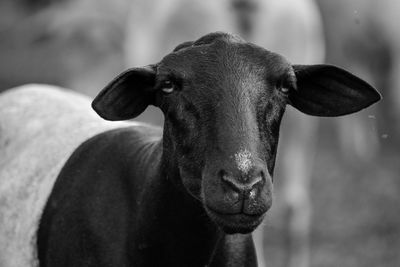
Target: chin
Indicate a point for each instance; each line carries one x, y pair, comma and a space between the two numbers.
238, 223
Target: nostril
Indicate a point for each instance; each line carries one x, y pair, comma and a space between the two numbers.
222, 173
257, 180
229, 180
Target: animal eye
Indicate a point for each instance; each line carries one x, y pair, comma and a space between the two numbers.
167, 86
284, 89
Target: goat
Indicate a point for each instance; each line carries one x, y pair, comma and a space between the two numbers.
192, 193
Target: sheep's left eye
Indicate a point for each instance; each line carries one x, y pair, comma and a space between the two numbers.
167, 87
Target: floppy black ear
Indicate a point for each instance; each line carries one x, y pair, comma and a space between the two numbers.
325, 90
127, 95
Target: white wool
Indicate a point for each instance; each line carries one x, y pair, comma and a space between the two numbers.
40, 126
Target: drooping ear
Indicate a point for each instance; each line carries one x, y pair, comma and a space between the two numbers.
127, 95
325, 90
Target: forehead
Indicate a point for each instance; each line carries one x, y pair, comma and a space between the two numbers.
224, 58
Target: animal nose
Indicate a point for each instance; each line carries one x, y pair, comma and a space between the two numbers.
243, 184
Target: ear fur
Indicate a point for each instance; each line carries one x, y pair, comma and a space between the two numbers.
127, 95
325, 90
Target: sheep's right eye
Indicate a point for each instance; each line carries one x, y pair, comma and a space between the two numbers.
167, 86
284, 89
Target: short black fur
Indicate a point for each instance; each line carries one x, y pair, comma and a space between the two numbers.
190, 194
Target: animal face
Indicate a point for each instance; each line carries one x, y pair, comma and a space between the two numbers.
223, 100
222, 116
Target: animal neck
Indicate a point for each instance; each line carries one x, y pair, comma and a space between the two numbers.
172, 221
184, 229
173, 228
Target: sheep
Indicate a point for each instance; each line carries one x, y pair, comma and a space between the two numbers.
151, 35
190, 194
40, 126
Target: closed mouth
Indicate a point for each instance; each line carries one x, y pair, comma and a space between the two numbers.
232, 223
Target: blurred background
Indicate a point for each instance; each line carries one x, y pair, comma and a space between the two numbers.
337, 181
